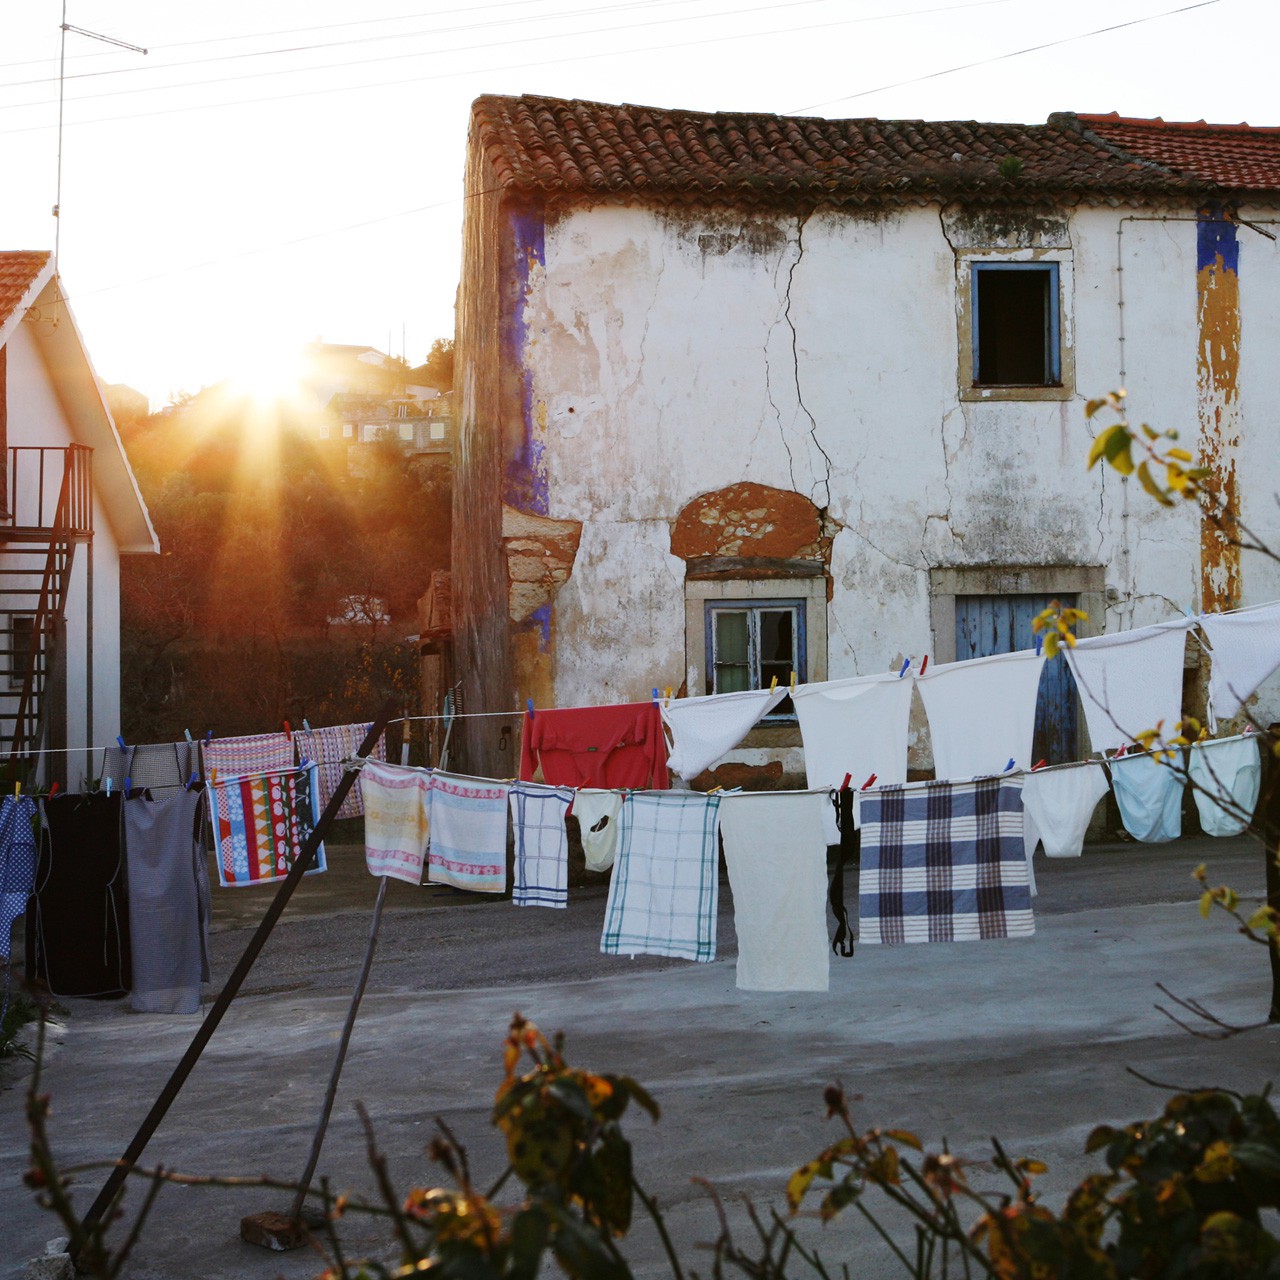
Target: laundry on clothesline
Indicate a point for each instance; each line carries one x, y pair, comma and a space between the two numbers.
1226, 776
1148, 794
156, 766
77, 930
614, 747
704, 729
328, 747
17, 864
1058, 804
168, 901
541, 876
775, 850
982, 713
397, 819
665, 889
597, 814
1246, 651
944, 862
468, 833
261, 822
248, 754
1130, 681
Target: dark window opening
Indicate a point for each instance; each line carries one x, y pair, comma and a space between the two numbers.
750, 645
1015, 325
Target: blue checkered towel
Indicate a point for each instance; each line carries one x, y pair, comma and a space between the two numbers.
665, 887
944, 862
541, 844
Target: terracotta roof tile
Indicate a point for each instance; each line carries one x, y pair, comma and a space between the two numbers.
1234, 157
560, 150
18, 271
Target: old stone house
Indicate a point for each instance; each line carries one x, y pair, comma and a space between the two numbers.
747, 394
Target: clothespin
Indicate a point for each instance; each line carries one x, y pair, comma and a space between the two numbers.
53, 790
213, 775
186, 733
572, 799
1039, 644
128, 785
657, 696
1039, 764
868, 782
668, 702
124, 746
906, 666
191, 781
288, 732
793, 682
714, 789
208, 737
1009, 766
306, 724
924, 664
773, 684
108, 781
17, 788
848, 778
529, 703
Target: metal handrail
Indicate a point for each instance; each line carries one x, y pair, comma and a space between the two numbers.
31, 471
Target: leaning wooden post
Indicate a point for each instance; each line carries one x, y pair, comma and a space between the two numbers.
111, 1188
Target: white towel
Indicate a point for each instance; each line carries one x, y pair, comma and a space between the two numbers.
703, 729
1149, 794
1246, 650
468, 833
776, 850
1057, 805
397, 808
982, 712
856, 726
597, 813
1230, 772
1130, 682
541, 845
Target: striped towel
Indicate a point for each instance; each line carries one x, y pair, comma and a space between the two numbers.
261, 821
665, 887
468, 833
541, 843
944, 862
329, 747
397, 807
254, 753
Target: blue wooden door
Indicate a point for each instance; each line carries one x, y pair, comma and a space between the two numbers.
1002, 624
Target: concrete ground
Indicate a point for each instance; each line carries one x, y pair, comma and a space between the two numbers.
1027, 1039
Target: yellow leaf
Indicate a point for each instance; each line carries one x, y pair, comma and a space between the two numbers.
1181, 454
1149, 484
1051, 644
1206, 903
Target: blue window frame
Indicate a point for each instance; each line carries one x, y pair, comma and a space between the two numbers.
1016, 324
749, 642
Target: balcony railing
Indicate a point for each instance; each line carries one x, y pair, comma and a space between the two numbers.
35, 481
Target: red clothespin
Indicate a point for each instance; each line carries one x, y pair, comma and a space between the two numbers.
288, 732
1039, 764
924, 664
868, 782
53, 790
572, 799
848, 778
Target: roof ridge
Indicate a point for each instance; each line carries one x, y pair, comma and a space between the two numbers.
1158, 122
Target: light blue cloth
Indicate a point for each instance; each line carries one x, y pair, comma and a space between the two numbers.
1149, 793
1227, 775
17, 862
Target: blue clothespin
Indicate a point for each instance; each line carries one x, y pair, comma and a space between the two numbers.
208, 737
186, 733
1009, 765
306, 724
108, 782
657, 695
529, 704
1039, 644
906, 665
191, 781
124, 746
128, 785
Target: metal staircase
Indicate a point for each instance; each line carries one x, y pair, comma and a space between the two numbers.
49, 513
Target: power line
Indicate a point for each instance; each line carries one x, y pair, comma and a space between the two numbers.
446, 75
1000, 57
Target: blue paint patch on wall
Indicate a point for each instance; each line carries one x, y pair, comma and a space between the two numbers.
1216, 237
540, 621
525, 486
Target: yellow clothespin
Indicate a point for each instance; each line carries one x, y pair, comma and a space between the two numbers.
213, 775
793, 680
773, 684
714, 789
17, 788
668, 695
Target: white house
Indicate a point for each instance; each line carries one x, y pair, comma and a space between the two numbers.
746, 394
72, 509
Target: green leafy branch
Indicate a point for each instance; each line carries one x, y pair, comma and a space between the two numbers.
1115, 445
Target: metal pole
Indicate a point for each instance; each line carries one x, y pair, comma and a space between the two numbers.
326, 1108
228, 993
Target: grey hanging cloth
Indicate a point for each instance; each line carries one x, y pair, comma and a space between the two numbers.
156, 765
168, 901
850, 847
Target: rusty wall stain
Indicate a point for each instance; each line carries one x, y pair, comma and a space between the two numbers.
751, 520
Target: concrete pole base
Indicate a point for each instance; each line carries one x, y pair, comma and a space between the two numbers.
278, 1231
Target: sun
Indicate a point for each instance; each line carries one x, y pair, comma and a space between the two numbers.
268, 375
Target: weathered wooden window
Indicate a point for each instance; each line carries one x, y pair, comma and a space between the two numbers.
750, 643
1016, 327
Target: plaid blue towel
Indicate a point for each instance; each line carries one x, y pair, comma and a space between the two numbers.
542, 845
665, 887
944, 862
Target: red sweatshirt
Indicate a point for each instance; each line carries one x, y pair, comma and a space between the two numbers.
617, 748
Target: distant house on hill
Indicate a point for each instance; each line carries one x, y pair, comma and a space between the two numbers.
71, 510
744, 392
